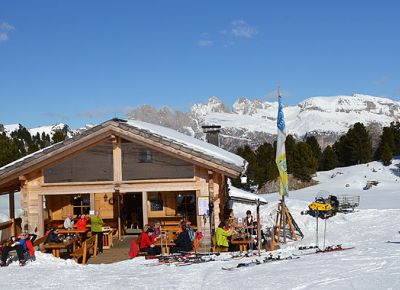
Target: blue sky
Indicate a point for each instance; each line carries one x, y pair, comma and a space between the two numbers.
86, 61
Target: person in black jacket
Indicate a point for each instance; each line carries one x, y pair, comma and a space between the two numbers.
183, 242
53, 237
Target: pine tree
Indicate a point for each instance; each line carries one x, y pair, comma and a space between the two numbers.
387, 138
266, 169
58, 136
312, 141
305, 164
395, 126
290, 143
386, 155
354, 147
248, 154
8, 150
329, 159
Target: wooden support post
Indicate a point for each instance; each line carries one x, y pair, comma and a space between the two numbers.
283, 215
278, 223
117, 159
289, 221
92, 201
11, 206
272, 246
144, 207
119, 215
40, 224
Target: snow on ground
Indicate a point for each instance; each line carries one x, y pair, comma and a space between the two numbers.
372, 264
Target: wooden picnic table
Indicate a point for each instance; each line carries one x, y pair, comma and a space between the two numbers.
56, 247
165, 245
242, 241
73, 231
81, 233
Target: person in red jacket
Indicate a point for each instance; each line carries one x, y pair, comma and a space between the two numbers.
147, 241
81, 224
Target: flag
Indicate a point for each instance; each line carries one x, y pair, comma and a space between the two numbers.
281, 152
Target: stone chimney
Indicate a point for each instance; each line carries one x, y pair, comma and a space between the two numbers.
212, 133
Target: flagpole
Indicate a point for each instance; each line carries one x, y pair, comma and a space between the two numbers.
283, 207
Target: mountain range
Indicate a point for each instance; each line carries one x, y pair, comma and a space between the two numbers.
253, 122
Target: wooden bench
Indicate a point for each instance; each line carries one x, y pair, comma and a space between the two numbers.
83, 251
39, 243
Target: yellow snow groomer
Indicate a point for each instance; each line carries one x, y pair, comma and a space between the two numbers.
323, 208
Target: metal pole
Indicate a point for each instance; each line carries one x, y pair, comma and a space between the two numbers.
324, 234
316, 242
258, 228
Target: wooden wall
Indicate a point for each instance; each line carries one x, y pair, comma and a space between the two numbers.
58, 195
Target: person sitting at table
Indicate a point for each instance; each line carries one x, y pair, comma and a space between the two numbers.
156, 227
53, 237
69, 222
221, 236
183, 242
81, 223
147, 241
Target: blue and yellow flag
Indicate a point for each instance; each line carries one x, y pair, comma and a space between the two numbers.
281, 152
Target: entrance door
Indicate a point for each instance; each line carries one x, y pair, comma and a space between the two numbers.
132, 212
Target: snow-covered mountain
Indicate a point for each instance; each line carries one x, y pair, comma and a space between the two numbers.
325, 117
253, 122
318, 114
48, 129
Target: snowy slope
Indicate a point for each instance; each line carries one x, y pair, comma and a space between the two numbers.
373, 264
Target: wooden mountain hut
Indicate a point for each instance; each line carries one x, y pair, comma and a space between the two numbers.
132, 172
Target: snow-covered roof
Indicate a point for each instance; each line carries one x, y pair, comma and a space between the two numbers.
189, 142
242, 195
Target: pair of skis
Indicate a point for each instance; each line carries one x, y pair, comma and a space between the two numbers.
317, 250
181, 260
258, 262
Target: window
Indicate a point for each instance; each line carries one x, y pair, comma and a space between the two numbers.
145, 156
139, 162
93, 164
186, 206
156, 204
81, 204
